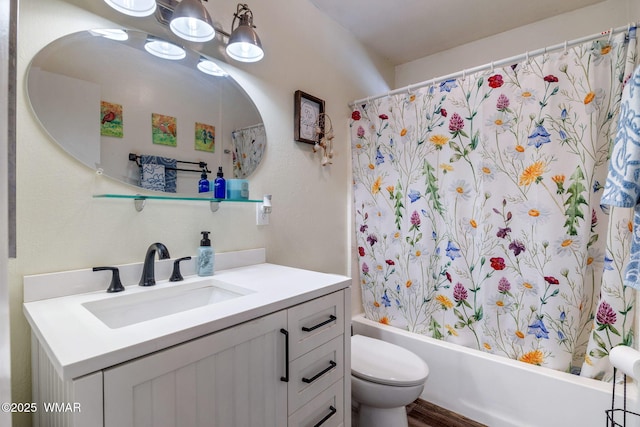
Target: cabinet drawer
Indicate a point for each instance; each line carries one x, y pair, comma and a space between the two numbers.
326, 410
315, 371
315, 322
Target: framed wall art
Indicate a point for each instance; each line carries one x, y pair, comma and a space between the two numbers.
307, 109
110, 119
163, 130
205, 137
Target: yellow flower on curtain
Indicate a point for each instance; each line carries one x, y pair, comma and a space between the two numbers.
535, 357
532, 173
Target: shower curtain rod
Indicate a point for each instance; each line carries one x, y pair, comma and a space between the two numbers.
248, 127
492, 65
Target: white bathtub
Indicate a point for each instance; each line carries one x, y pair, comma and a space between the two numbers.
500, 392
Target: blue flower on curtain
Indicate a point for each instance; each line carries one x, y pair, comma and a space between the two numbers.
538, 329
447, 85
539, 136
413, 195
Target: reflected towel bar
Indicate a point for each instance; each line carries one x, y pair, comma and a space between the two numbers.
202, 165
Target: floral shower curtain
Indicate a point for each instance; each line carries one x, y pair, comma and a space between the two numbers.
248, 148
477, 209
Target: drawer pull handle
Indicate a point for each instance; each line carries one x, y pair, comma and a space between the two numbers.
326, 417
319, 374
312, 328
286, 355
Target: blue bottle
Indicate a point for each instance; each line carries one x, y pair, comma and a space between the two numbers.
203, 184
205, 256
219, 186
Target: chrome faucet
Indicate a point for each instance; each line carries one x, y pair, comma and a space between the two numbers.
148, 273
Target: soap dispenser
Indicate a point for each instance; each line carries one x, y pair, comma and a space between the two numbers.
205, 256
219, 185
203, 184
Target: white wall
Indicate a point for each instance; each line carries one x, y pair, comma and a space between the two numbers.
5, 350
583, 22
61, 227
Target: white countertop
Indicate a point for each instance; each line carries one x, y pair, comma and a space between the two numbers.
78, 343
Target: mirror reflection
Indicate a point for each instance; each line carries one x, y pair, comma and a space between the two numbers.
144, 120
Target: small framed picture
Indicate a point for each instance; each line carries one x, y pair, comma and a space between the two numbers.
110, 119
205, 137
307, 109
163, 130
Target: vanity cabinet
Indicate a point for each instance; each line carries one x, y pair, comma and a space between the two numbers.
289, 368
229, 378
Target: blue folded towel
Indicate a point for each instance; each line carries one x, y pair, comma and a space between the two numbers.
170, 175
153, 177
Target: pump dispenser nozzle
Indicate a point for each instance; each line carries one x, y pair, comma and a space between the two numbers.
205, 239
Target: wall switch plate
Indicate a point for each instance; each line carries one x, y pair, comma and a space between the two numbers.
261, 217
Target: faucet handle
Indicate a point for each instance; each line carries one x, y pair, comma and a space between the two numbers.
175, 275
116, 284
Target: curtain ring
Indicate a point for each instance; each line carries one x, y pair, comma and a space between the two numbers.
493, 68
464, 75
526, 57
566, 50
610, 35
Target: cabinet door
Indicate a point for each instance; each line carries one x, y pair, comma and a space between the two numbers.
230, 378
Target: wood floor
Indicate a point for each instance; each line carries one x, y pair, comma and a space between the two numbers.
424, 414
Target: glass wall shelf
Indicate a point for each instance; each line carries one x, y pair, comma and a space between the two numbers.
140, 199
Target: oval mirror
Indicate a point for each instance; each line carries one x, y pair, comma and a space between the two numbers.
147, 121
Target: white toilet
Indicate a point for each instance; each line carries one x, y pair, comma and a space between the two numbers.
384, 379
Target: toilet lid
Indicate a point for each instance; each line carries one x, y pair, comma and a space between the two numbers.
385, 363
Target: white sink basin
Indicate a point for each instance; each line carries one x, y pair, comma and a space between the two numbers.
124, 310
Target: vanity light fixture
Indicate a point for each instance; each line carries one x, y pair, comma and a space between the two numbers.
133, 7
191, 21
164, 50
244, 44
209, 67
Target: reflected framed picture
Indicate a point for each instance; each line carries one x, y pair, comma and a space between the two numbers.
110, 119
205, 137
163, 130
306, 110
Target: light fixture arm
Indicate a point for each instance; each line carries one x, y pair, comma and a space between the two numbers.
244, 15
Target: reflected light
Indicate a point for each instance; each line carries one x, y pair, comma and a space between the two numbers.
165, 50
210, 67
133, 7
111, 33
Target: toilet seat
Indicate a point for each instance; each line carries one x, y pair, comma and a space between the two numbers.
384, 363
